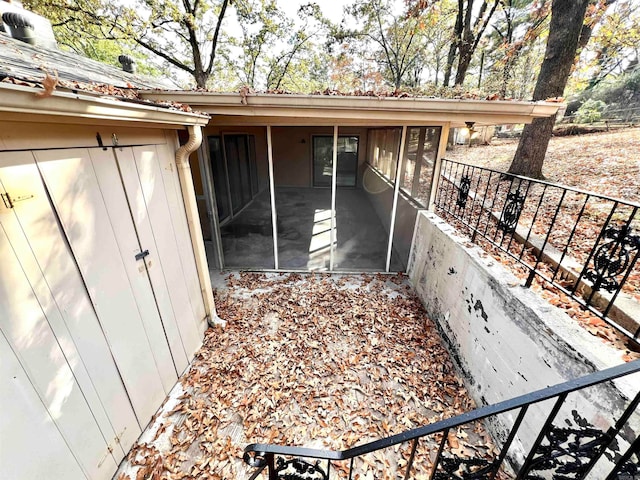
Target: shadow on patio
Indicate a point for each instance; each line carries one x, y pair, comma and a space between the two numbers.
315, 360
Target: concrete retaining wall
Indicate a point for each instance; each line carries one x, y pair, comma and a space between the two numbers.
505, 339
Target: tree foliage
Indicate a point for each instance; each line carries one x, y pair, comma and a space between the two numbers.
272, 50
79, 31
614, 45
518, 26
393, 39
419, 45
184, 34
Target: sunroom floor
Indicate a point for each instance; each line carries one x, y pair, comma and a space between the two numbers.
323, 361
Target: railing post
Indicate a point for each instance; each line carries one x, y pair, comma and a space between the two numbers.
436, 461
273, 475
634, 449
414, 445
524, 470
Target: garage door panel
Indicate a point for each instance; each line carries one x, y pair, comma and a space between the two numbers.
117, 207
155, 266
166, 160
52, 272
173, 191
71, 181
27, 430
25, 326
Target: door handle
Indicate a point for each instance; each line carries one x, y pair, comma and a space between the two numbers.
141, 255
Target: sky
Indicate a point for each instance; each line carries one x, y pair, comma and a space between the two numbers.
332, 9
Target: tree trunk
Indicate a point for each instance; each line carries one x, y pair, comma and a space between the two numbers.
532, 148
466, 53
567, 17
471, 35
201, 79
450, 58
455, 44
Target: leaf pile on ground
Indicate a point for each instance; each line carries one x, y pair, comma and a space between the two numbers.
315, 360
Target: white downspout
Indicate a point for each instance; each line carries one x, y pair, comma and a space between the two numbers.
195, 230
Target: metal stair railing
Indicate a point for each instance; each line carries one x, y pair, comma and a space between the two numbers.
558, 451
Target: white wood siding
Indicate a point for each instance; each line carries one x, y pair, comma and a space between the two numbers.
61, 291
158, 188
115, 201
183, 237
142, 209
31, 445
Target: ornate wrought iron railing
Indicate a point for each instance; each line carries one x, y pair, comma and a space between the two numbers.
585, 244
563, 445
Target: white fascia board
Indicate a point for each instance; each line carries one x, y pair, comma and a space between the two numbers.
82, 107
324, 106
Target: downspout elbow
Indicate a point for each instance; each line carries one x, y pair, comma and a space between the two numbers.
193, 220
195, 139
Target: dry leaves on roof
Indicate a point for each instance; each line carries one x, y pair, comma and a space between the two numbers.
452, 93
49, 84
320, 361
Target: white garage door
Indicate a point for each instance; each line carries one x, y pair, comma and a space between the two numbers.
100, 331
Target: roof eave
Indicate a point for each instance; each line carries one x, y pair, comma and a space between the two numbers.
83, 107
345, 107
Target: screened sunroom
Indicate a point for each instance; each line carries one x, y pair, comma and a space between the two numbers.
324, 183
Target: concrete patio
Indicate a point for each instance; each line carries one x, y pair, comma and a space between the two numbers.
325, 361
304, 232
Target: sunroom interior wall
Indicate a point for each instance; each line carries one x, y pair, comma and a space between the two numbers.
293, 151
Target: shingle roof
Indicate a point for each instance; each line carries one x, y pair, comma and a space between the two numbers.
21, 62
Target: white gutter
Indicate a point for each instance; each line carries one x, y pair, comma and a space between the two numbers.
82, 107
195, 230
269, 104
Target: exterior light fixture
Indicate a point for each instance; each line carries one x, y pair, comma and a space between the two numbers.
470, 130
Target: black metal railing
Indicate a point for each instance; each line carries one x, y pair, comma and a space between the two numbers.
562, 443
585, 244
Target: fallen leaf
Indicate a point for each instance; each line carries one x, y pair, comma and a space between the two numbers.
48, 84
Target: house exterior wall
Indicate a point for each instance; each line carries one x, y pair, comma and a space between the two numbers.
505, 339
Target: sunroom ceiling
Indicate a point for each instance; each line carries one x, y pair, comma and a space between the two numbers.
293, 110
